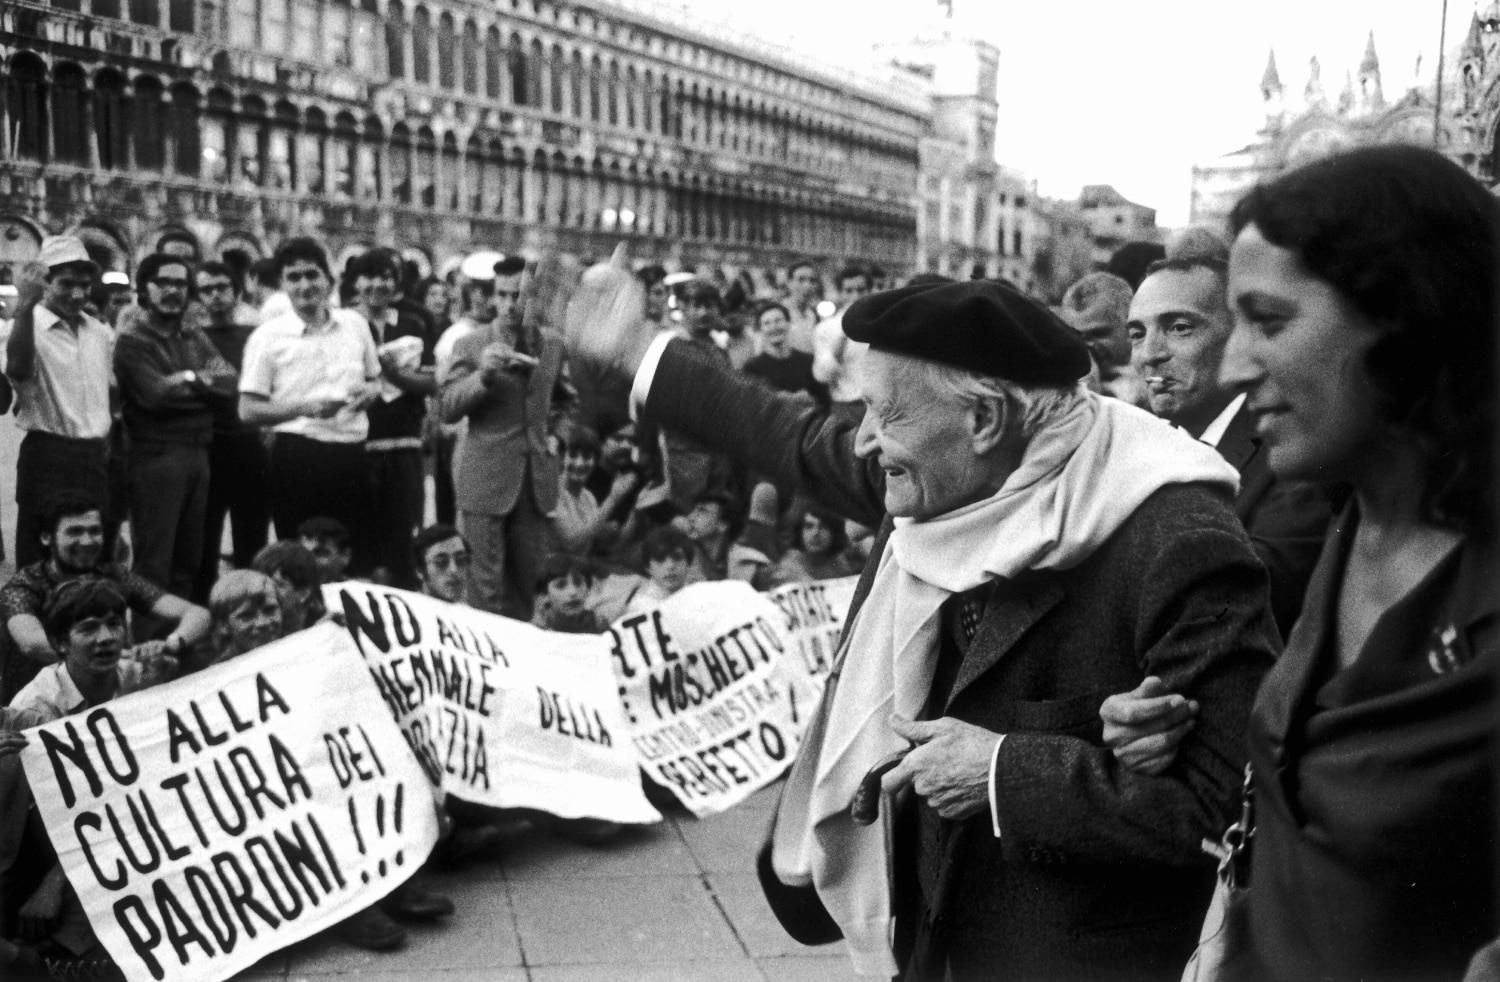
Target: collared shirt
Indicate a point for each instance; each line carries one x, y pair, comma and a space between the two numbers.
68, 392
155, 407
286, 359
53, 693
1220, 425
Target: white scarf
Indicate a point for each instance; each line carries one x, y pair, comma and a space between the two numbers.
1079, 479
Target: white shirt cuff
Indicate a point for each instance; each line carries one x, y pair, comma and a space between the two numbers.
641, 387
994, 809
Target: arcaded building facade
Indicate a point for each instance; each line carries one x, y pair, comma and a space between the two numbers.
440, 127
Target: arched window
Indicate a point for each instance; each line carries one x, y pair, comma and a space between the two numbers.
578, 85
613, 92
493, 166
425, 172
474, 176
471, 58
112, 120
519, 75
365, 37
632, 92
250, 146
648, 102
557, 191
70, 114
367, 172
401, 186
596, 79
541, 198
448, 176
279, 156
26, 106
446, 42
342, 154
421, 46
395, 40
494, 56
312, 172
557, 67
536, 71
216, 138
185, 130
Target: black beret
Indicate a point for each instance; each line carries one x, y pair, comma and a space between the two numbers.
979, 325
510, 266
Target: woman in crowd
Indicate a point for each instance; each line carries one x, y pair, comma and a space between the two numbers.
1364, 293
579, 515
432, 295
821, 550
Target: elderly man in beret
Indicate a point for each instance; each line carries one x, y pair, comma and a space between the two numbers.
1040, 548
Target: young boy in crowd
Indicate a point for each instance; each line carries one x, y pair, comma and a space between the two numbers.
562, 597
668, 555
246, 610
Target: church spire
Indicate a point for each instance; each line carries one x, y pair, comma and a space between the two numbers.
1371, 97
1270, 81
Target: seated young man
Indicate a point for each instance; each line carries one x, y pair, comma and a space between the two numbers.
668, 555
440, 555
72, 533
85, 619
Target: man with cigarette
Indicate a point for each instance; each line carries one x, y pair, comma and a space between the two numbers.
1178, 325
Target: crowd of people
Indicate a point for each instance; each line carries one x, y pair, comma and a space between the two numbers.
1227, 500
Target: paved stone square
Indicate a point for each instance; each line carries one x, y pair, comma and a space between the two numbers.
675, 902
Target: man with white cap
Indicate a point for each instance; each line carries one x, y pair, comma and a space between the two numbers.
60, 360
501, 380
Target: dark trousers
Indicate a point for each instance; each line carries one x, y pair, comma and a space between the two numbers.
443, 499
168, 504
399, 491
316, 479
46, 465
239, 488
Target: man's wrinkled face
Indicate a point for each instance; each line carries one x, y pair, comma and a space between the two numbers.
1178, 327
167, 292
306, 285
93, 646
920, 437
445, 571
216, 291
78, 543
68, 289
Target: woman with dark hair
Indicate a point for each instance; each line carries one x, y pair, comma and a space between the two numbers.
820, 549
1364, 293
432, 295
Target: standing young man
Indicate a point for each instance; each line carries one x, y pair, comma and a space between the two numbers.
308, 376
61, 362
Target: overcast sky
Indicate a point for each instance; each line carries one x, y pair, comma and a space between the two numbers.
1130, 94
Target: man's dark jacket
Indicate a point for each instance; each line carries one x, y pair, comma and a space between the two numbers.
1286, 519
1098, 872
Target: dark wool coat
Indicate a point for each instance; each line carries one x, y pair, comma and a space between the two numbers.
1098, 873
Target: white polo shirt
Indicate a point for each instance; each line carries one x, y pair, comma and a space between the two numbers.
68, 392
287, 359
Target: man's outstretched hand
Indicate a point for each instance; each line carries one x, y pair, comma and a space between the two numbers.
606, 324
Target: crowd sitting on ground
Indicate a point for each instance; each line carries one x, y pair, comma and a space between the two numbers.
282, 398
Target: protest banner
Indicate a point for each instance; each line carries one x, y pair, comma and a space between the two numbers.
499, 712
717, 683
213, 820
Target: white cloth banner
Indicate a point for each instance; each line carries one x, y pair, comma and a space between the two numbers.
213, 820
717, 683
499, 712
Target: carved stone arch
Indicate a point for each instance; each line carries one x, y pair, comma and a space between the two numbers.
109, 246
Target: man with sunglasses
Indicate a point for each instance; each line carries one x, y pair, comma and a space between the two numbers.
172, 382
501, 381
